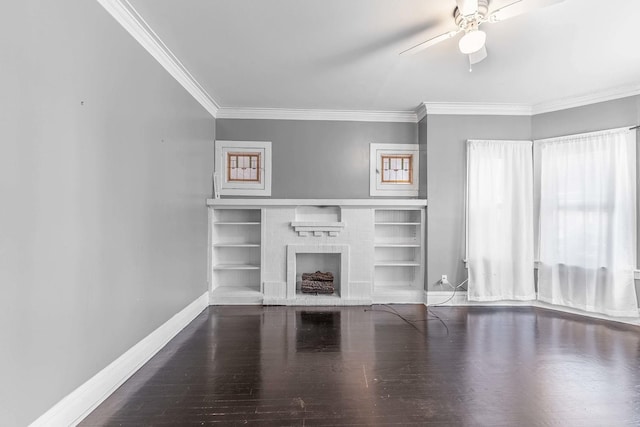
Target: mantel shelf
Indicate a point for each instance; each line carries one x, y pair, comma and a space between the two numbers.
356, 203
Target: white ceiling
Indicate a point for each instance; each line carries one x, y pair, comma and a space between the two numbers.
343, 54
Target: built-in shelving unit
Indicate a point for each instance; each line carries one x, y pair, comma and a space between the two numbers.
258, 249
399, 255
236, 256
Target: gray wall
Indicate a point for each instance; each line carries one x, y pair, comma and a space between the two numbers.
318, 159
594, 117
105, 164
446, 180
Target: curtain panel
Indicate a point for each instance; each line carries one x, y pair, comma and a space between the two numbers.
587, 238
500, 220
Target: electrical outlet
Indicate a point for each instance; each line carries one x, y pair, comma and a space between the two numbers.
444, 281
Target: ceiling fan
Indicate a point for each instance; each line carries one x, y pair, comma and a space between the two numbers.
469, 15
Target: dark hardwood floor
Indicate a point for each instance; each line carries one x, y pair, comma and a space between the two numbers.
386, 365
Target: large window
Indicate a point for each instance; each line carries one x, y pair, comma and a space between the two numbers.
587, 229
500, 220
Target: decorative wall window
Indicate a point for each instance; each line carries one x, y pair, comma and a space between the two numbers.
243, 168
394, 169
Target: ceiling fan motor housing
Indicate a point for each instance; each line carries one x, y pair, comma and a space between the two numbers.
468, 22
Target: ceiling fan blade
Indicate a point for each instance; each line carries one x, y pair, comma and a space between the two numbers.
421, 46
478, 56
518, 8
467, 7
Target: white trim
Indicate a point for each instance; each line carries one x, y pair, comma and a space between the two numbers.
636, 274
311, 114
444, 298
471, 108
130, 19
580, 101
360, 203
74, 407
421, 111
460, 299
497, 109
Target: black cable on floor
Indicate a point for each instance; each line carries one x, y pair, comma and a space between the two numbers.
411, 322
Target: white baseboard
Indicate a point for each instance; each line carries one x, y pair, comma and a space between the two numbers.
79, 403
443, 298
545, 305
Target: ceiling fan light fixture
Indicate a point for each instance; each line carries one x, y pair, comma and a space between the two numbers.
472, 41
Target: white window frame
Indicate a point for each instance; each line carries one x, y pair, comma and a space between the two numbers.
393, 189
239, 188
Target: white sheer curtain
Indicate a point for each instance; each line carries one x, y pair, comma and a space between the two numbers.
500, 220
588, 222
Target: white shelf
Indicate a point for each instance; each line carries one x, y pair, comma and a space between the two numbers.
399, 252
236, 291
236, 267
236, 245
236, 256
400, 293
236, 295
237, 223
397, 264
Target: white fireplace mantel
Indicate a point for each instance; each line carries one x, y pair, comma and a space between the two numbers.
363, 203
375, 246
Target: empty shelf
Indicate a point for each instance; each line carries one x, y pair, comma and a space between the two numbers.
236, 267
397, 264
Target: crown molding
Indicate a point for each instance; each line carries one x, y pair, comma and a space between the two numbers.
472, 108
463, 108
580, 101
309, 114
421, 111
126, 15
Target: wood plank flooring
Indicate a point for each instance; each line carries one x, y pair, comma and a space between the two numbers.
386, 365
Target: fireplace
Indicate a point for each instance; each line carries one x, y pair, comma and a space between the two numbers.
324, 272
317, 257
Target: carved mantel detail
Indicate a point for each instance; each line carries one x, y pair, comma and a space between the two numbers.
317, 228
